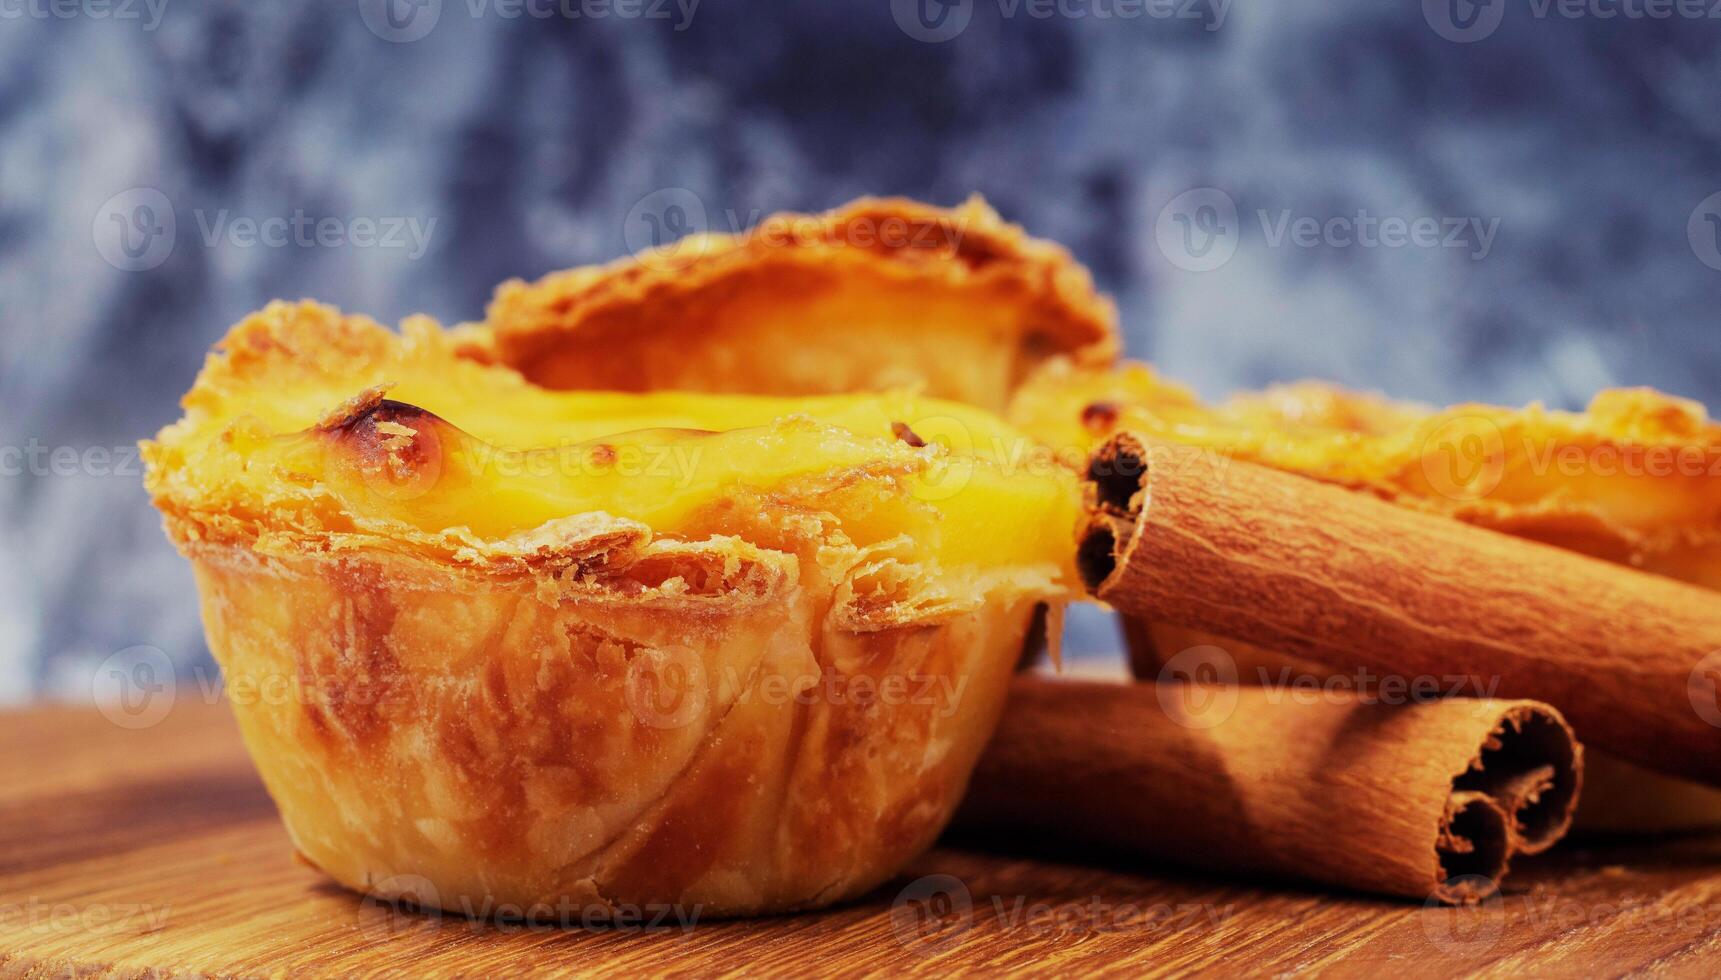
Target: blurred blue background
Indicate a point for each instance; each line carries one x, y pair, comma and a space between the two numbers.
1568, 163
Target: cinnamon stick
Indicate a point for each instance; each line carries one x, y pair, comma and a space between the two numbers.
1336, 577
1399, 800
1517, 788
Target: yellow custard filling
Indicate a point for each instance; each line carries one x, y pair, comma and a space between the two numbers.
311, 425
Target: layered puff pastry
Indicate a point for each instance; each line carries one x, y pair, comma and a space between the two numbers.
493, 644
1634, 479
880, 293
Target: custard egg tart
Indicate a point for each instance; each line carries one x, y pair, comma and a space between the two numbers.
879, 293
494, 644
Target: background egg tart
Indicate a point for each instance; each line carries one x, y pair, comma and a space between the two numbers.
877, 294
494, 644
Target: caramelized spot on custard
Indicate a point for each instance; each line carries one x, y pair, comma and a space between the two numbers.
1099, 416
392, 441
370, 413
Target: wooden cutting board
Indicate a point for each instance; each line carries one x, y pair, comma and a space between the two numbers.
130, 850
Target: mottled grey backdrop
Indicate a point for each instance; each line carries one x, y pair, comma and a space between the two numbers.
1572, 154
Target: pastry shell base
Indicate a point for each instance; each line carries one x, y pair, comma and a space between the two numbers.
474, 742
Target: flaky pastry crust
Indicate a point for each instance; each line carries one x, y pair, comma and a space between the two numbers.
748, 706
881, 293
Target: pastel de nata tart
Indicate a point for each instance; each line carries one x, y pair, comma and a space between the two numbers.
491, 644
1634, 479
881, 293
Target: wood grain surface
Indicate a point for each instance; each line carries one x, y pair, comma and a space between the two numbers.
154, 850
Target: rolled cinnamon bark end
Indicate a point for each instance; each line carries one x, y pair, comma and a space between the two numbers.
1392, 799
1114, 491
1117, 476
1096, 552
1474, 849
1322, 573
1531, 765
